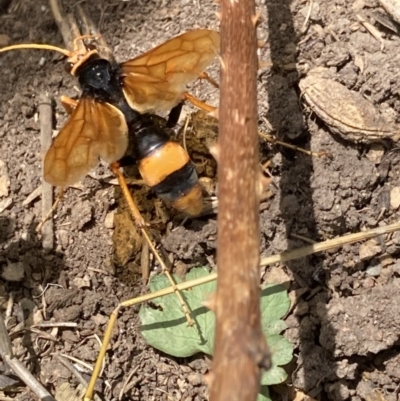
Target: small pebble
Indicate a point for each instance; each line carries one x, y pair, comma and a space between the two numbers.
4, 40
4, 179
374, 271
368, 282
13, 272
369, 249
109, 220
395, 198
100, 319
376, 153
82, 282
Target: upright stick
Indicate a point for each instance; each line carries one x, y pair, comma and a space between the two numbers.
46, 119
240, 349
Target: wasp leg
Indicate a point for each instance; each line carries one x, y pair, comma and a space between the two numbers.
205, 76
273, 140
198, 103
50, 212
82, 38
68, 104
125, 190
174, 115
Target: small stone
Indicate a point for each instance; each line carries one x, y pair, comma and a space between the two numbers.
63, 238
5, 203
4, 179
8, 383
358, 5
28, 218
109, 220
369, 249
375, 153
369, 282
195, 379
82, 282
25, 236
395, 198
3, 297
386, 275
374, 271
396, 267
108, 281
69, 314
37, 317
81, 214
4, 40
386, 260
70, 336
100, 319
13, 272
277, 275
301, 309
340, 390
27, 305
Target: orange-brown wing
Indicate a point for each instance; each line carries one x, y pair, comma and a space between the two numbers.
94, 130
156, 80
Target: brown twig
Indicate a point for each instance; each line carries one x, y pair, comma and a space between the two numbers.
240, 347
45, 116
62, 23
18, 368
90, 28
67, 25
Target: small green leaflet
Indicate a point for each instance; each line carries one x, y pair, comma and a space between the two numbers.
165, 328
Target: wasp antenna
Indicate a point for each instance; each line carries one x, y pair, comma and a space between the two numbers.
36, 46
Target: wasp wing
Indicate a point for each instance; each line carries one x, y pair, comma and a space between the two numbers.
156, 80
94, 130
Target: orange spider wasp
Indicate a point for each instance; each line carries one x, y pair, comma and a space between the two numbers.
116, 105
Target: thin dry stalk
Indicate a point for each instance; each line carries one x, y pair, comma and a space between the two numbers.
240, 347
46, 118
90, 28
18, 368
62, 23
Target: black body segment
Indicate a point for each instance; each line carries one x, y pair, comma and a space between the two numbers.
101, 81
164, 165
177, 184
148, 136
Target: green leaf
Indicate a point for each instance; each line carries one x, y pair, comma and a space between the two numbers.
281, 349
165, 327
263, 395
274, 305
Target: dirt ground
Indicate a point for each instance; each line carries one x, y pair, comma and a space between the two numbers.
346, 332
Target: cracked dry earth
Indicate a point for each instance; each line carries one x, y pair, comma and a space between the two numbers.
345, 323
